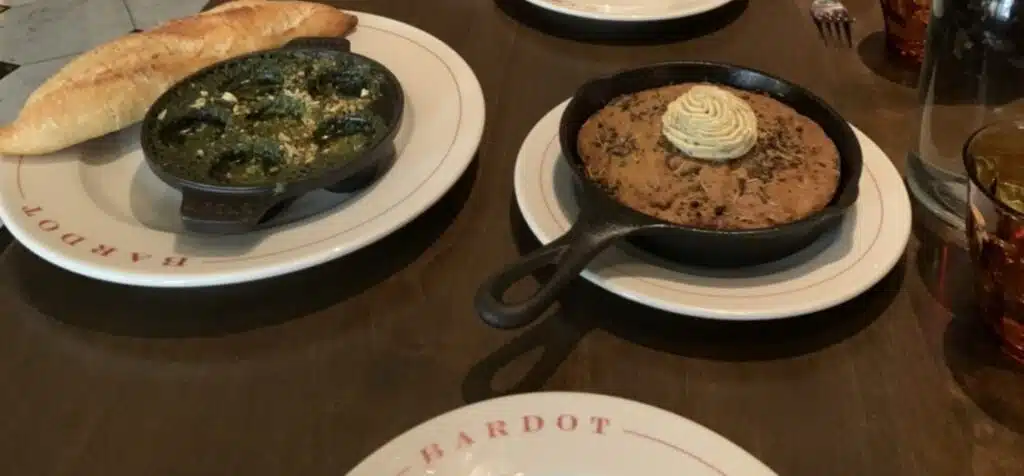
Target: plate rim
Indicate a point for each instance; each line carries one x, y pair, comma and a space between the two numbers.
614, 285
466, 142
678, 422
554, 6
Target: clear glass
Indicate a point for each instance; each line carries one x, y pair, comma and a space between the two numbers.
994, 160
973, 74
906, 26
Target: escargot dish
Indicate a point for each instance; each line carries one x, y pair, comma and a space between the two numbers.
271, 118
244, 138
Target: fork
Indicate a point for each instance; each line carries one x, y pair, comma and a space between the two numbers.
833, 21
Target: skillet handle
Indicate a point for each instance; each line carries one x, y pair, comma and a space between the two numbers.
570, 254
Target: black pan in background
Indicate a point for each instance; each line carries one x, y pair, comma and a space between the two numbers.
602, 220
225, 209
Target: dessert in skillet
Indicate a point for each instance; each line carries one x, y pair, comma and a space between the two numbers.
710, 156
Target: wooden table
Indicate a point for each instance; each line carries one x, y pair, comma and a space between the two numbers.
284, 377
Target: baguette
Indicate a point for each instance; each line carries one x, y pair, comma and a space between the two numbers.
112, 86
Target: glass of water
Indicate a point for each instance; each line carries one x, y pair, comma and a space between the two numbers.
973, 74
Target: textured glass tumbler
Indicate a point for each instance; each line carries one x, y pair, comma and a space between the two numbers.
994, 160
906, 27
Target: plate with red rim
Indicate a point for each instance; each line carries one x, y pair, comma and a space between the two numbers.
839, 266
630, 10
560, 433
96, 209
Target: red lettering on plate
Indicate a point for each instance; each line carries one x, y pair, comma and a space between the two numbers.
30, 211
175, 261
532, 424
75, 239
467, 439
496, 428
103, 250
567, 422
431, 453
71, 239
464, 441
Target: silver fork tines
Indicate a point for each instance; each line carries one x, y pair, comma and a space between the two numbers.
833, 21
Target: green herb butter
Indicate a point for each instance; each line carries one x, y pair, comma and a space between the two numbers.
271, 118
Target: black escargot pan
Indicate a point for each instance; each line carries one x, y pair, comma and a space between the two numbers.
215, 207
603, 220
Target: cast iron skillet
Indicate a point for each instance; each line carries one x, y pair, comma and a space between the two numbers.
602, 220
223, 209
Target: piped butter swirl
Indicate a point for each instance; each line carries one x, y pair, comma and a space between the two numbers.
710, 123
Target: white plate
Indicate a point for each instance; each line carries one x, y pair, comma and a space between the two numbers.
839, 266
630, 10
560, 434
97, 210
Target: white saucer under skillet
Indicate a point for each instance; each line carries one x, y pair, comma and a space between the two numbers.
630, 10
838, 267
97, 209
560, 434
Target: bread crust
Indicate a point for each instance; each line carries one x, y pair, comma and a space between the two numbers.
112, 86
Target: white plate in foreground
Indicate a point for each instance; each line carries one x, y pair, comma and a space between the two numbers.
630, 10
560, 433
97, 209
841, 265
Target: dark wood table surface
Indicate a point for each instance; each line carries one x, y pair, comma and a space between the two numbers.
307, 374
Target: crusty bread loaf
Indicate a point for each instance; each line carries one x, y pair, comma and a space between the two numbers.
112, 86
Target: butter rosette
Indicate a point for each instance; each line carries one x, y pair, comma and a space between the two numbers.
710, 123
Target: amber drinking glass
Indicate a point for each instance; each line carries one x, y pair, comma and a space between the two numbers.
906, 27
994, 160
